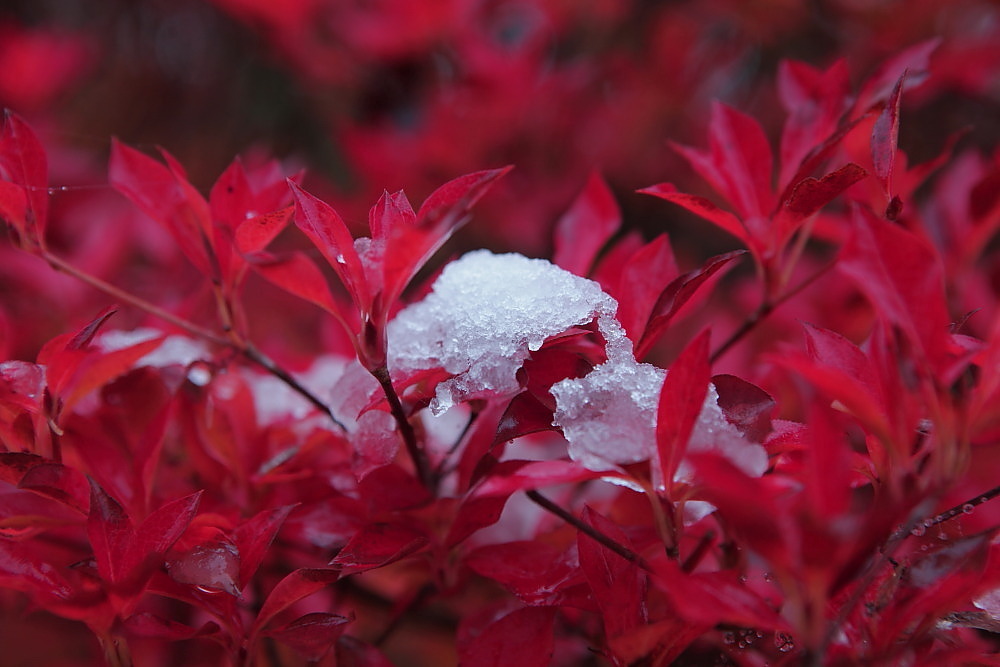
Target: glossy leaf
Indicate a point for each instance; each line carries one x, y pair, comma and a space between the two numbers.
379, 544
253, 538
585, 228
681, 399
295, 586
493, 646
312, 636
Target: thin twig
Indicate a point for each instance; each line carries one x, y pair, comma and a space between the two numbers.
590, 531
417, 455
247, 350
764, 310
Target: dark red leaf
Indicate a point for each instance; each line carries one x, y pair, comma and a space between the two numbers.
582, 231
537, 572
523, 637
59, 482
525, 414
161, 529
253, 538
352, 652
312, 636
510, 476
22, 569
714, 598
379, 544
617, 584
746, 406
149, 625
681, 399
681, 290
110, 533
295, 586
885, 137
914, 60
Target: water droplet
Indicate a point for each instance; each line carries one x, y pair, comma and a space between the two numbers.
968, 508
918, 530
769, 577
983, 499
341, 260
729, 638
209, 589
784, 642
744, 578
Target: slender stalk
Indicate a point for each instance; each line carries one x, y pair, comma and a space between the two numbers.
589, 531
244, 348
416, 453
765, 308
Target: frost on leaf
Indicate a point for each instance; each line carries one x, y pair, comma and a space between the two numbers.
488, 312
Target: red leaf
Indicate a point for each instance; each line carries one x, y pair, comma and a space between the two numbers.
676, 295
379, 544
313, 635
62, 483
448, 206
160, 530
475, 513
523, 637
815, 102
714, 598
330, 235
583, 230
295, 586
165, 196
902, 275
537, 572
298, 275
829, 458
253, 538
746, 406
915, 60
524, 414
254, 234
641, 283
885, 137
149, 625
618, 585
23, 163
21, 569
110, 533
809, 195
703, 208
510, 476
681, 399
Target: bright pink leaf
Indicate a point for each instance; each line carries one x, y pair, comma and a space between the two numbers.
582, 231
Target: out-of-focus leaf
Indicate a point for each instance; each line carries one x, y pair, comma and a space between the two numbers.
617, 584
536, 572
378, 544
703, 208
582, 231
312, 636
523, 637
885, 137
23, 570
24, 164
145, 624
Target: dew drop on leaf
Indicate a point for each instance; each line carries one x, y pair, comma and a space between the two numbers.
968, 508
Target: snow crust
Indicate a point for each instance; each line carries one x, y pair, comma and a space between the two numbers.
488, 312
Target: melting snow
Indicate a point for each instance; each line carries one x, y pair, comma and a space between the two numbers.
488, 312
